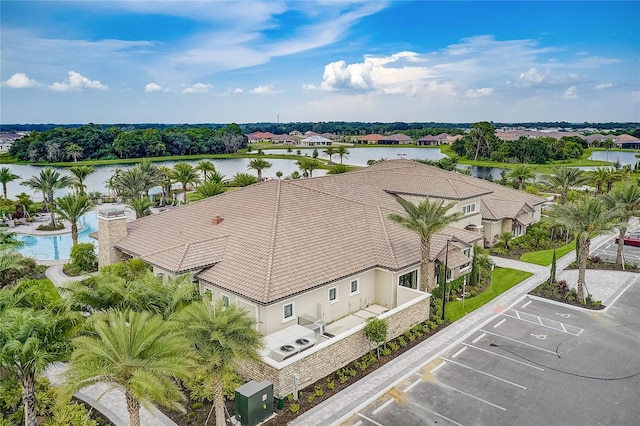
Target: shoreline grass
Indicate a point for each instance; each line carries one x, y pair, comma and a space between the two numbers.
503, 280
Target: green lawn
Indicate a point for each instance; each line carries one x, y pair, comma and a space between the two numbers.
503, 280
544, 257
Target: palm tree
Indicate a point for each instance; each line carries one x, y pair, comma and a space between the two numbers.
185, 173
607, 144
505, 238
49, 181
259, 164
223, 337
74, 151
243, 179
587, 218
129, 288
206, 167
35, 332
342, 151
563, 179
71, 207
308, 165
338, 169
330, 152
9, 240
165, 184
279, 174
426, 219
625, 199
522, 173
207, 190
602, 176
6, 176
139, 351
151, 174
11, 260
140, 205
80, 173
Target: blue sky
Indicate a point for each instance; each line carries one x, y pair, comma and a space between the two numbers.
247, 61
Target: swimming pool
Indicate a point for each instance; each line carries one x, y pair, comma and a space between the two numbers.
56, 247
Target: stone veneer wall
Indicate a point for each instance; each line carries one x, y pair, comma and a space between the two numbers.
334, 356
110, 231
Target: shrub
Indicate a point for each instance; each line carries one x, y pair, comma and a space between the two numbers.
197, 405
563, 287
385, 350
310, 398
317, 390
331, 384
294, 408
83, 257
394, 346
402, 342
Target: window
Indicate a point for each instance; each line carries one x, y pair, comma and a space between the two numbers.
469, 208
354, 286
333, 294
287, 311
225, 299
410, 280
466, 252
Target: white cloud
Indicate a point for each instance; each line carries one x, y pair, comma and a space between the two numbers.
570, 93
152, 87
532, 77
20, 81
77, 81
264, 90
198, 88
238, 90
479, 93
602, 86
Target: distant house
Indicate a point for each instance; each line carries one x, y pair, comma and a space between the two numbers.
316, 140
428, 140
285, 140
331, 136
260, 137
295, 133
396, 139
627, 141
311, 259
596, 138
7, 139
371, 139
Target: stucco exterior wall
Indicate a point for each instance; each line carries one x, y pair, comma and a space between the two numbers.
319, 361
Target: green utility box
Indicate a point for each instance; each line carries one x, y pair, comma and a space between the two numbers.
254, 402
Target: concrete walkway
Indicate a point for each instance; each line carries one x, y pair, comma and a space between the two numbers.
348, 402
106, 398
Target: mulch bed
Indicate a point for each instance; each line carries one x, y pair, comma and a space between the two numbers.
283, 416
553, 293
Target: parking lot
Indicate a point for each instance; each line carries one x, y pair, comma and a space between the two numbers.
609, 250
536, 363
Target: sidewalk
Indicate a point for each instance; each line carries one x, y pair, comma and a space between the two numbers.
348, 402
106, 398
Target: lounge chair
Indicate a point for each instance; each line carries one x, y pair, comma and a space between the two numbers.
23, 221
10, 223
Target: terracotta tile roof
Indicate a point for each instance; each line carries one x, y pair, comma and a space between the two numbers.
400, 137
371, 137
525, 219
279, 238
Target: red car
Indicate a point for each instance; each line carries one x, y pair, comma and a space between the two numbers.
631, 239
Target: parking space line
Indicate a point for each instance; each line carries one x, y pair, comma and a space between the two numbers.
464, 348
382, 407
472, 396
370, 420
478, 338
526, 304
358, 423
412, 385
438, 367
502, 321
505, 357
539, 321
486, 374
440, 415
518, 341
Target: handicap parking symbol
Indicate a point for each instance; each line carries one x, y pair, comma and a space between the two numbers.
540, 336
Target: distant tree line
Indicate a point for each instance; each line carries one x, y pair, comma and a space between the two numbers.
96, 142
481, 143
414, 129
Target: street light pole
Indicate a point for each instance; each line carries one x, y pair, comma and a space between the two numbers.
443, 285
464, 288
